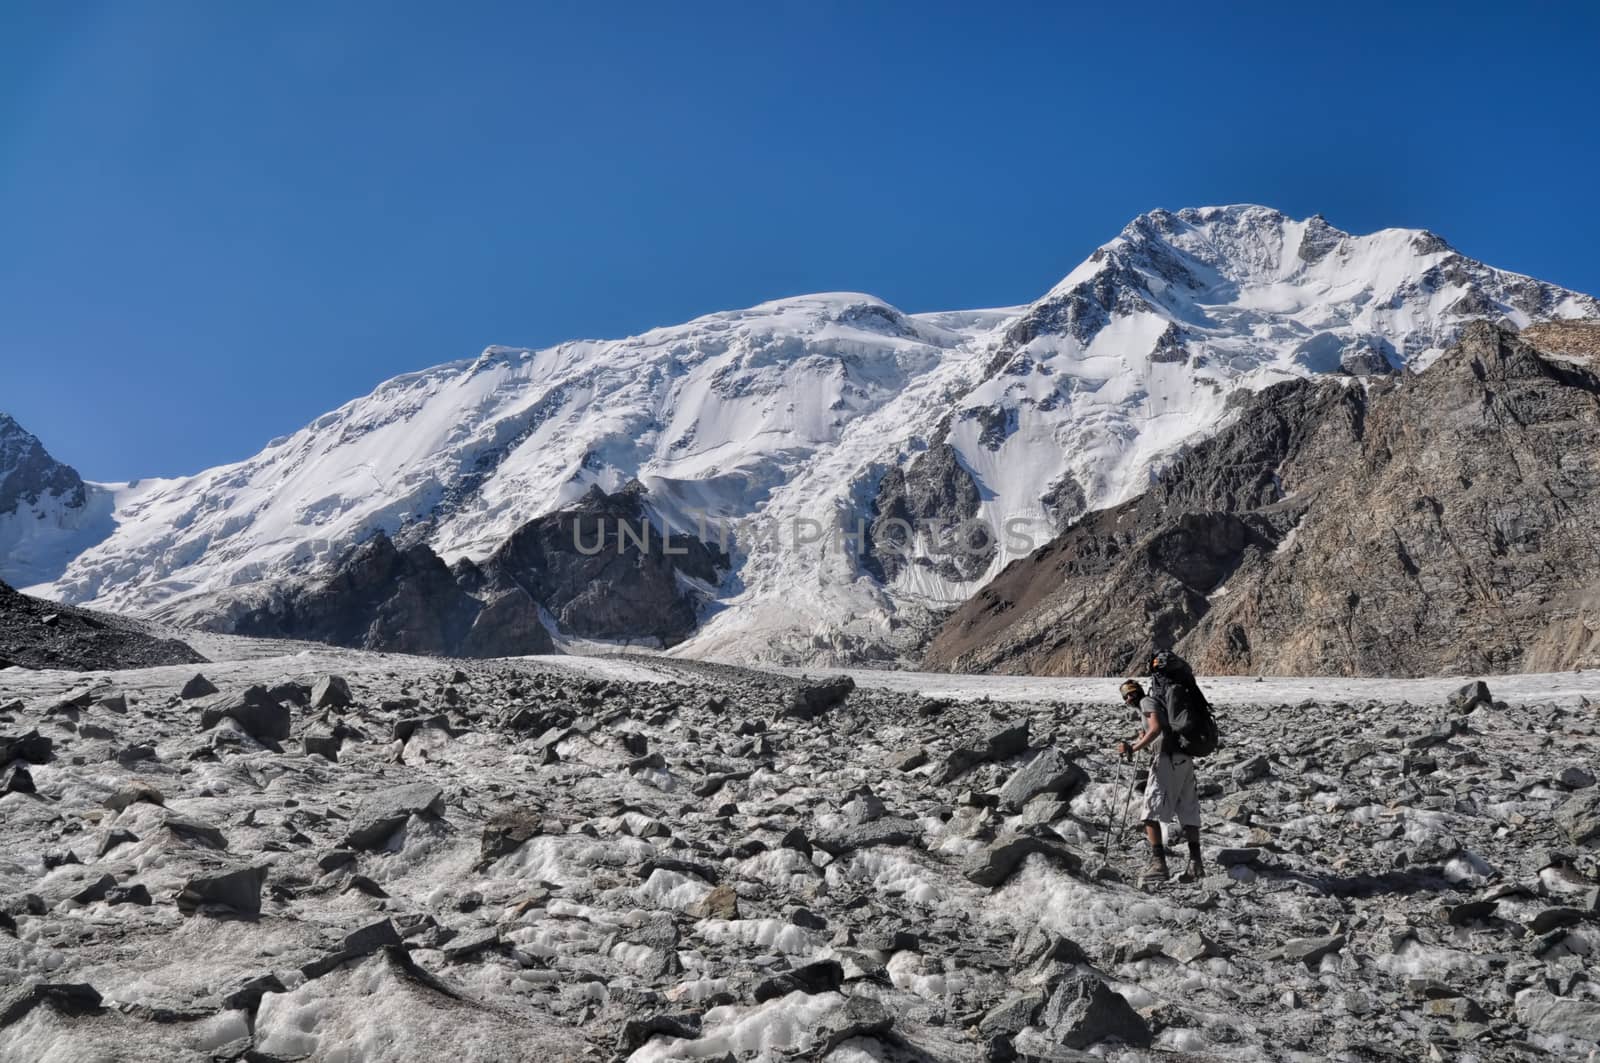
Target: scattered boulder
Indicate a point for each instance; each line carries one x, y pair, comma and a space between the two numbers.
824, 976
886, 831
997, 861
69, 999
505, 832
239, 890
1084, 1011
720, 903
198, 687
1001, 743
132, 793
256, 711
1546, 1013
330, 692
1578, 817
1257, 767
1310, 951
387, 811
1051, 772
32, 747
1470, 696
810, 700
18, 780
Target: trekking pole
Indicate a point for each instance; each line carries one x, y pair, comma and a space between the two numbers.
1121, 813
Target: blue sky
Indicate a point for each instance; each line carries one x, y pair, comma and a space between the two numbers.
219, 220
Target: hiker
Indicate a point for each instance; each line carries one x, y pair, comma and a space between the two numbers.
1169, 792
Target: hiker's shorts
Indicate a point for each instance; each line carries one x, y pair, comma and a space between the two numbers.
1169, 793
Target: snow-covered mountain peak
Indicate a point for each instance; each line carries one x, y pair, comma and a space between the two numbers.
796, 412
48, 514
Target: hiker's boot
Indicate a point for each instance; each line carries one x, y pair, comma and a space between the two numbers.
1156, 871
1191, 872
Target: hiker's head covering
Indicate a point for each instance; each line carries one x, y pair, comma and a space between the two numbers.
1159, 661
1132, 687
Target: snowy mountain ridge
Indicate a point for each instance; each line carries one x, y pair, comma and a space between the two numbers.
794, 412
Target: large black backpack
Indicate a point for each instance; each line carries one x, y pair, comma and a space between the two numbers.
1189, 719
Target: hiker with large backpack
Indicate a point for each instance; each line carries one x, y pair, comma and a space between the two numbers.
1178, 727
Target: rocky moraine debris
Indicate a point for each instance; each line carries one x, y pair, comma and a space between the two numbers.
519, 860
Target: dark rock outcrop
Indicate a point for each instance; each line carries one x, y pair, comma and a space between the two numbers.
1438, 523
601, 569
934, 495
35, 633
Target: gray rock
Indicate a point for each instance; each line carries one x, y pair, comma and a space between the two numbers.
67, 998
995, 862
385, 813
505, 832
1000, 743
1547, 1013
1470, 696
824, 976
322, 745
133, 793
1084, 1011
330, 692
256, 711
1578, 817
1051, 772
32, 747
1238, 857
635, 1033
1257, 767
18, 780
1576, 778
859, 1016
1310, 951
197, 687
887, 831
1010, 1015
239, 890
810, 700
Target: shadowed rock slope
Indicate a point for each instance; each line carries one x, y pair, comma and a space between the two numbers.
600, 569
1447, 521
35, 633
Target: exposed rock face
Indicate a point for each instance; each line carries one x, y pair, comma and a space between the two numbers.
601, 569
35, 633
47, 512
934, 496
28, 472
379, 598
1444, 522
604, 570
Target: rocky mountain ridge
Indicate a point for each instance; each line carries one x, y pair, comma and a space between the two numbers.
48, 514
1439, 523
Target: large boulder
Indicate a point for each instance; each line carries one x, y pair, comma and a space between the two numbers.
810, 700
330, 692
255, 710
1546, 1013
239, 890
386, 812
1579, 817
197, 687
1084, 1011
1001, 742
1051, 772
997, 861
